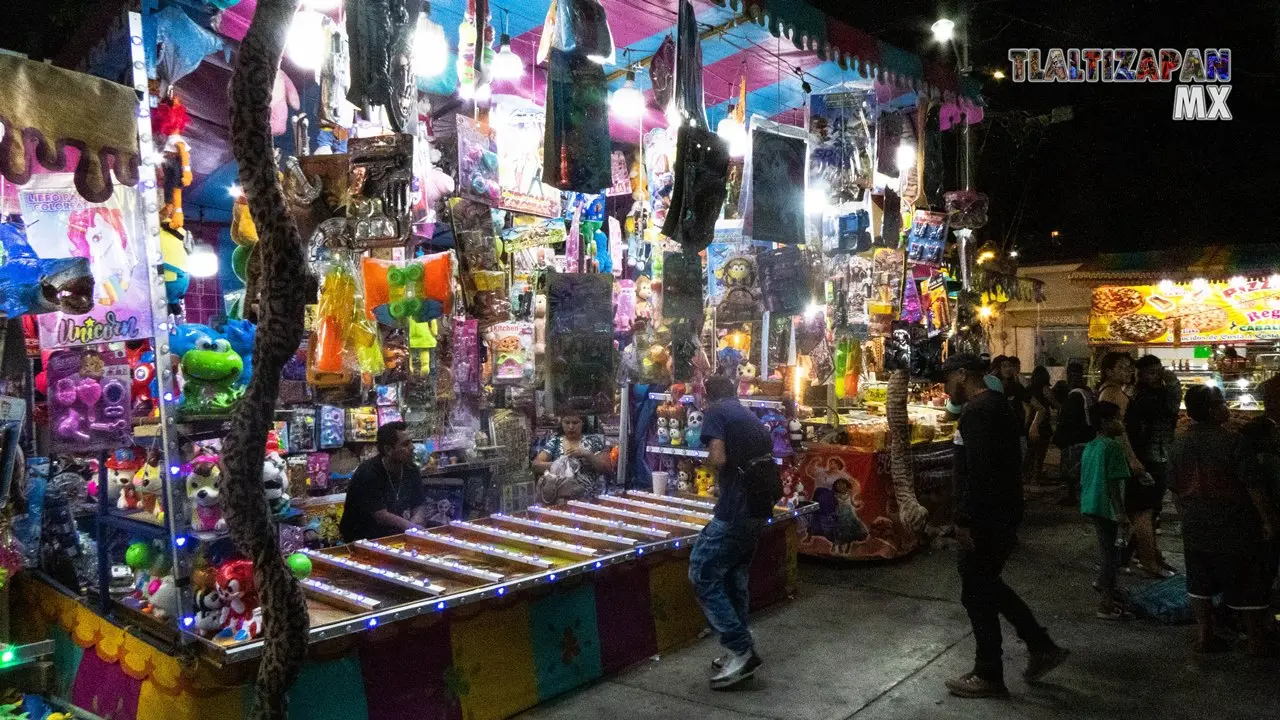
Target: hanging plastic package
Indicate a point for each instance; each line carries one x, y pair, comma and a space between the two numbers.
575, 153
688, 90
580, 27
576, 44
774, 179
662, 72
683, 307
380, 34
783, 281
701, 184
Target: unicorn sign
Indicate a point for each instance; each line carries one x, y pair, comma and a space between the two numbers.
1203, 76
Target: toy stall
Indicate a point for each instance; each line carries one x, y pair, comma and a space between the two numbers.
539, 212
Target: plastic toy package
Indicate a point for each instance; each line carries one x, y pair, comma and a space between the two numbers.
466, 356
511, 348
89, 402
332, 424
302, 430
362, 424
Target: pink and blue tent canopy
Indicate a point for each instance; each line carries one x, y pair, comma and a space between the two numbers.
777, 44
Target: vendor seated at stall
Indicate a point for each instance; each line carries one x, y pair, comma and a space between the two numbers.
386, 496
556, 483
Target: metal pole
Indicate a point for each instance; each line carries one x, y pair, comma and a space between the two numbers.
967, 139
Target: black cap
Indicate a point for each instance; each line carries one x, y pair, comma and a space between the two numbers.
963, 361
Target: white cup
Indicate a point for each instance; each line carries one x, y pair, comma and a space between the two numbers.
660, 483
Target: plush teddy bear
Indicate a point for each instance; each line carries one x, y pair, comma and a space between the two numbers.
693, 429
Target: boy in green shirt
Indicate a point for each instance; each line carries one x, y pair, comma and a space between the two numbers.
1103, 472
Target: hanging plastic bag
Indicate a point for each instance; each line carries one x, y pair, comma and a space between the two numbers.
577, 26
560, 481
576, 148
774, 178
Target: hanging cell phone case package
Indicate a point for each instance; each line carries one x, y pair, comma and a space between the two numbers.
89, 399
302, 430
333, 430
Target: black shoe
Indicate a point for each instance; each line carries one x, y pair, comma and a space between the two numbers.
1042, 663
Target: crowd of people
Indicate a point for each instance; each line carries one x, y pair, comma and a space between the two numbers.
1122, 452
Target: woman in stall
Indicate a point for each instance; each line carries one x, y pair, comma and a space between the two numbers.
582, 475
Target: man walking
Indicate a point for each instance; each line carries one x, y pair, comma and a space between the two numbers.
721, 560
988, 511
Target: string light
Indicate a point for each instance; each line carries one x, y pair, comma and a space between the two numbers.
943, 30
430, 49
506, 64
905, 157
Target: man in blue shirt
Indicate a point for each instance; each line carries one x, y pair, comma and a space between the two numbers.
721, 560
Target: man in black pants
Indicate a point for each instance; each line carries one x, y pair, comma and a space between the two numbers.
988, 511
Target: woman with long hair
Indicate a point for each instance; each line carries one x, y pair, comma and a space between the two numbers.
1040, 406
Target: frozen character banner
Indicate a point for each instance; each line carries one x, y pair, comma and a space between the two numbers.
520, 127
776, 171
62, 224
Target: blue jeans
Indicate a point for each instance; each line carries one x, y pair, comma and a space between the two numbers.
719, 568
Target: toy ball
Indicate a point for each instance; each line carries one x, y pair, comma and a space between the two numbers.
139, 556
300, 565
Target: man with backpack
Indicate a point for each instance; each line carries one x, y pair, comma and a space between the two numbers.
1075, 429
740, 453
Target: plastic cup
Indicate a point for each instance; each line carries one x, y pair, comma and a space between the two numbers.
660, 483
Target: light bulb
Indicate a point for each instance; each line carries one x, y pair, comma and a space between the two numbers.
816, 198
304, 42
674, 118
627, 102
467, 91
905, 157
734, 134
430, 49
202, 263
236, 192
506, 64
484, 93
943, 30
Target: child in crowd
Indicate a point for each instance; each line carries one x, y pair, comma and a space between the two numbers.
1103, 472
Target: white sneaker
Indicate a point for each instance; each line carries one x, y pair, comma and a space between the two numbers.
736, 670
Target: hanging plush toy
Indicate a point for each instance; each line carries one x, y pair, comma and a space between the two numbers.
169, 120
174, 245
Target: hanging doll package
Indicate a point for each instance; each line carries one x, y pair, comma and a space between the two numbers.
89, 400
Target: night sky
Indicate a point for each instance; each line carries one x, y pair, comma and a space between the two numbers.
1120, 175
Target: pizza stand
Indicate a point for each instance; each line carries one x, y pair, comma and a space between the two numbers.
1187, 305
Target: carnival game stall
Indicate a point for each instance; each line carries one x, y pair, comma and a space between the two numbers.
511, 215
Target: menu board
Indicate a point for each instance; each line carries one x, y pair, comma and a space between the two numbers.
1199, 314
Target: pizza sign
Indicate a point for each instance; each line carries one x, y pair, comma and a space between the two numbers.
1199, 314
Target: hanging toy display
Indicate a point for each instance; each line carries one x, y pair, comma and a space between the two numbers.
89, 403
174, 246
511, 348
168, 120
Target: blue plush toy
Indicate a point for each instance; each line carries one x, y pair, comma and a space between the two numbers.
241, 334
31, 284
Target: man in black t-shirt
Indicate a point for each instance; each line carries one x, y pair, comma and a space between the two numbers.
721, 560
386, 496
988, 496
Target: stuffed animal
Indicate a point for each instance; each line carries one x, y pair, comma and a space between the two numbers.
148, 484
168, 120
206, 499
211, 614
795, 432
275, 478
747, 378
663, 435
644, 298
235, 586
693, 430
703, 480
121, 468
162, 597
684, 477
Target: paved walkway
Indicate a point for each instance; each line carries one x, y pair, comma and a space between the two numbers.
876, 642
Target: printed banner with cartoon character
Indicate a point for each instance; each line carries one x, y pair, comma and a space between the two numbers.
1201, 313
857, 517
59, 224
519, 128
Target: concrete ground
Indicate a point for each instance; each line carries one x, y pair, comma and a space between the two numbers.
877, 642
